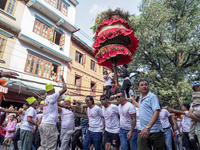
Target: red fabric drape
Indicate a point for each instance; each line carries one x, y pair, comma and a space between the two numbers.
111, 33
112, 51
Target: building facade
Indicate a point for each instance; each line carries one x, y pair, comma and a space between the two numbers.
85, 76
40, 53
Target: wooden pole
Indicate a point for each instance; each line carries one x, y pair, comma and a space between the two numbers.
115, 74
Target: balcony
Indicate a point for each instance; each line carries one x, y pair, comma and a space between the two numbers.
43, 47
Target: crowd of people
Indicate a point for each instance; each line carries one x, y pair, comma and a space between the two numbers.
140, 124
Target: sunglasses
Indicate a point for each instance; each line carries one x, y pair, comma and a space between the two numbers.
118, 96
102, 99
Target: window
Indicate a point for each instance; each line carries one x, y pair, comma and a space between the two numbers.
43, 68
41, 29
77, 84
44, 31
57, 37
49, 33
53, 3
8, 6
60, 72
47, 70
93, 88
59, 5
92, 65
38, 66
2, 45
65, 9
79, 57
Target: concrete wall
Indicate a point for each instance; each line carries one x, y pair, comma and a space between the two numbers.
71, 11
16, 21
19, 54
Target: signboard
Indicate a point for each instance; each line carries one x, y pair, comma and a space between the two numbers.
3, 89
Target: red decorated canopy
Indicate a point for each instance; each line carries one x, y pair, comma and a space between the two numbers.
114, 41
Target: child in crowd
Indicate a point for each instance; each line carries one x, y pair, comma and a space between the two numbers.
10, 131
196, 107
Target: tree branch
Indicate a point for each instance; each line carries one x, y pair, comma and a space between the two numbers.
192, 63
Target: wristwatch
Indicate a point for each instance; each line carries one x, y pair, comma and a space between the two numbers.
148, 128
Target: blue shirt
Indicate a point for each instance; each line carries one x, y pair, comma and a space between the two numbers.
147, 106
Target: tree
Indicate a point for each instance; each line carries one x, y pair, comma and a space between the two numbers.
169, 46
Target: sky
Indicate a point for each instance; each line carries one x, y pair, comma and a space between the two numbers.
87, 10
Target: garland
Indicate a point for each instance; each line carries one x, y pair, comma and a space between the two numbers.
109, 49
109, 14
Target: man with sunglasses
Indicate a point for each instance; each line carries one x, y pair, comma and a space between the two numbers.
128, 133
94, 134
111, 117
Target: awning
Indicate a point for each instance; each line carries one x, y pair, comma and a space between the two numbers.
18, 87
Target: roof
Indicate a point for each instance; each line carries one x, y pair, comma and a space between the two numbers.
81, 43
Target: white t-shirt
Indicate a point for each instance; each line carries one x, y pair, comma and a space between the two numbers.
22, 117
164, 118
125, 112
39, 116
138, 118
67, 119
31, 112
186, 122
50, 109
180, 127
130, 93
111, 117
107, 81
95, 119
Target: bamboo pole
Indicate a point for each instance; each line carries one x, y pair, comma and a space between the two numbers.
80, 110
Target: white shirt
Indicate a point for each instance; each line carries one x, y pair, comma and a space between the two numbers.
180, 127
95, 119
138, 118
125, 112
50, 109
107, 81
39, 116
31, 112
22, 117
164, 118
111, 117
67, 119
130, 93
186, 122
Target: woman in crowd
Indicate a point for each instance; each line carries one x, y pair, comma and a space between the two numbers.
10, 131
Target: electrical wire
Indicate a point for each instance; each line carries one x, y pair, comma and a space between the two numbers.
34, 64
82, 87
45, 83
